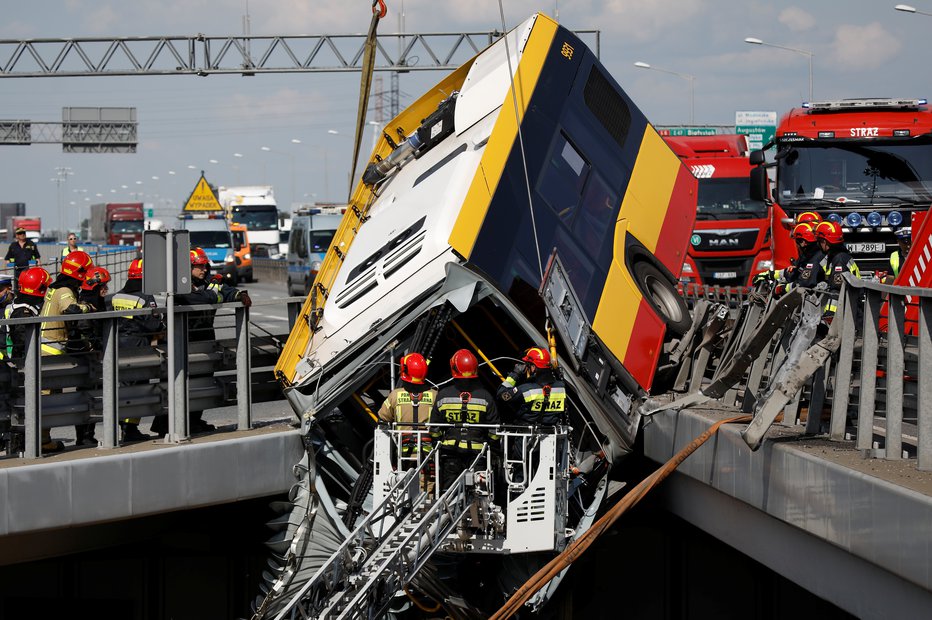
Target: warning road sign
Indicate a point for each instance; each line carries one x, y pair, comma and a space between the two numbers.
202, 198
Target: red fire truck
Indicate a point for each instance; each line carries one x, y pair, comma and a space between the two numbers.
864, 163
730, 243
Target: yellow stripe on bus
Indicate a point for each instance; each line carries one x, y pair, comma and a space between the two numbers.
642, 214
492, 166
648, 195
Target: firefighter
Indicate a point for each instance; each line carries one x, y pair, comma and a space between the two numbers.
904, 239
534, 390
135, 332
59, 337
207, 290
62, 298
805, 272
811, 219
33, 285
204, 290
462, 403
836, 260
411, 402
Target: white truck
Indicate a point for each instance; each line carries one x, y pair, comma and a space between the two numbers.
254, 206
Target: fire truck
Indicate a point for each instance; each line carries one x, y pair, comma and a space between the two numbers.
864, 163
730, 243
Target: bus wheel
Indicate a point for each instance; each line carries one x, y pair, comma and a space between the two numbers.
663, 298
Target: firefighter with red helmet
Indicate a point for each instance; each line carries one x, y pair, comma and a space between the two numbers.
61, 299
533, 389
33, 284
836, 260
412, 401
135, 332
462, 403
204, 290
806, 271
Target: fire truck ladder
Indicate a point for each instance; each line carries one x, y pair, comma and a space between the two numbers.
385, 551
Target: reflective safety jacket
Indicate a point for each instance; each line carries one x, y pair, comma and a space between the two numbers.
14, 336
56, 334
834, 265
403, 405
540, 400
806, 272
136, 331
464, 402
201, 324
896, 261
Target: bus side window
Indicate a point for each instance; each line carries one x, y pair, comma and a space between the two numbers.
563, 177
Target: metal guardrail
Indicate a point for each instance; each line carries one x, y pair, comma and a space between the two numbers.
111, 383
869, 371
115, 258
732, 296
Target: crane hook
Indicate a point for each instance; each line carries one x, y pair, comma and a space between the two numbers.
381, 10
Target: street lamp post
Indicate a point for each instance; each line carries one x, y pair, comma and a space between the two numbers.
910, 9
685, 76
807, 53
61, 177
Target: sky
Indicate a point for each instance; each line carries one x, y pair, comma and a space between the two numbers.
860, 48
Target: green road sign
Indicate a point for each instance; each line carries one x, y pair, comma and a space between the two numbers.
759, 127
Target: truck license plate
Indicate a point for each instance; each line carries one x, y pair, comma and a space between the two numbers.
724, 275
867, 248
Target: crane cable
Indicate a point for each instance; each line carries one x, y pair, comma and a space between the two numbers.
578, 546
365, 85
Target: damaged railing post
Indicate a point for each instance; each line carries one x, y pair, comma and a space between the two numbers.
869, 346
893, 410
243, 370
111, 383
848, 300
32, 372
924, 386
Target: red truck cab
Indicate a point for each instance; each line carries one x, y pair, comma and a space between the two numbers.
730, 243
864, 163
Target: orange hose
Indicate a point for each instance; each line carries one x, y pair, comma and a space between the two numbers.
578, 546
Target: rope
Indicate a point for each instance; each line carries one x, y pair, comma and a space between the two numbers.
578, 546
527, 180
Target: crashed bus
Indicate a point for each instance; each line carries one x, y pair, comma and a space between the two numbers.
522, 201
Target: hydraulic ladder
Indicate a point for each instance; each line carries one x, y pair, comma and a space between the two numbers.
385, 551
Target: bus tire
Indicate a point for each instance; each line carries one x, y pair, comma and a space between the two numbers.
662, 297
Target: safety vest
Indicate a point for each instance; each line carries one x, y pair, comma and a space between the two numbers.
127, 301
834, 268
55, 333
65, 251
896, 261
30, 310
463, 407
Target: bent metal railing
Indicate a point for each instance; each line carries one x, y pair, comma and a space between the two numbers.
861, 375
110, 383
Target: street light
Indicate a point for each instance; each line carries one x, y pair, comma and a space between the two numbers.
910, 9
685, 76
808, 54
